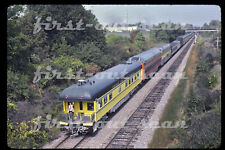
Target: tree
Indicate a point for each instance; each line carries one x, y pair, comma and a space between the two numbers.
133, 35
62, 50
205, 26
188, 26
166, 32
74, 13
213, 24
140, 42
22, 135
17, 42
17, 87
114, 39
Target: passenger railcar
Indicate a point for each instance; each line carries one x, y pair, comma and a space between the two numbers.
150, 60
165, 52
94, 98
100, 94
185, 38
175, 45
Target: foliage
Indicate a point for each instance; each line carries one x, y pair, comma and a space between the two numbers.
166, 32
62, 50
213, 79
62, 67
218, 57
66, 63
213, 24
205, 132
133, 35
18, 53
114, 39
74, 13
11, 106
201, 106
17, 87
194, 103
89, 53
140, 42
202, 66
188, 26
23, 135
120, 48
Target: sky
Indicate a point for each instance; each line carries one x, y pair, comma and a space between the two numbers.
154, 14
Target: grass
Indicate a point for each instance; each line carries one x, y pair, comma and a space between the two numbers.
162, 136
165, 137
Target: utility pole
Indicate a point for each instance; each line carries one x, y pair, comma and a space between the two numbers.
217, 40
217, 43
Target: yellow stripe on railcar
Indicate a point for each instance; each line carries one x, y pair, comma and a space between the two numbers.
167, 53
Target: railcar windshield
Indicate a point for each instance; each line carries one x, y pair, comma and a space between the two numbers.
90, 106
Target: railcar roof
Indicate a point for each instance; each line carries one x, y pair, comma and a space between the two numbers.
148, 54
184, 36
163, 47
98, 84
174, 42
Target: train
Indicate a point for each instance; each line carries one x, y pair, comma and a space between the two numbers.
93, 99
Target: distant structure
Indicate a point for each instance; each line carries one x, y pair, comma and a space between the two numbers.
121, 28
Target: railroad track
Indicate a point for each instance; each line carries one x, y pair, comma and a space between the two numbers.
70, 142
125, 136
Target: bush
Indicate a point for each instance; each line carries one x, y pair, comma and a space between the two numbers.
18, 87
206, 131
23, 135
202, 67
213, 79
113, 40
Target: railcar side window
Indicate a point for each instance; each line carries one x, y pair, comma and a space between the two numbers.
81, 106
110, 96
129, 81
138, 74
120, 89
126, 83
105, 99
132, 79
100, 103
90, 106
135, 77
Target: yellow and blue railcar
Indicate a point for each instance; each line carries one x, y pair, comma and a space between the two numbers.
99, 95
165, 53
150, 60
175, 46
